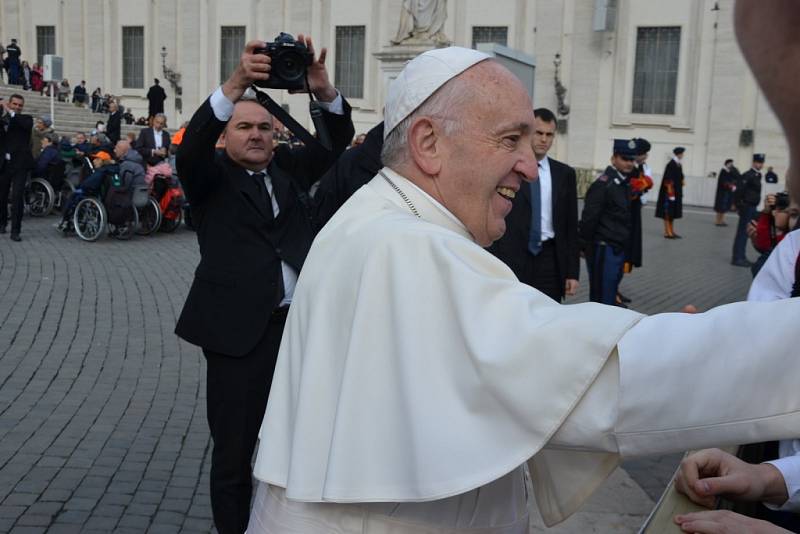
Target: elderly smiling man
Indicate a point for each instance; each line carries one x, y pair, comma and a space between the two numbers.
419, 381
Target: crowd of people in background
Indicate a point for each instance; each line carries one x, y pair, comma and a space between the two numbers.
31, 78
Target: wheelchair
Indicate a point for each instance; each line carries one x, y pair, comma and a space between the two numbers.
90, 217
45, 193
148, 212
167, 192
39, 197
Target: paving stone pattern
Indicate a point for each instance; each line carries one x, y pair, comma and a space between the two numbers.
102, 407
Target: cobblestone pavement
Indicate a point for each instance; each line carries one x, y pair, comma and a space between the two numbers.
102, 407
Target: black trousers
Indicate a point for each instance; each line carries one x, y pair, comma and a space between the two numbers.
236, 397
543, 271
14, 180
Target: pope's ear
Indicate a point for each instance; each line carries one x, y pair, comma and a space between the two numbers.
424, 145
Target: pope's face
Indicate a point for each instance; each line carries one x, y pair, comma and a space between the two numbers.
485, 164
248, 136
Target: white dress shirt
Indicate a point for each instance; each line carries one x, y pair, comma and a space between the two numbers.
11, 114
546, 196
223, 110
159, 139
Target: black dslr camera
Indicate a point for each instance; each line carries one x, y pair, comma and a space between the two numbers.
781, 200
290, 60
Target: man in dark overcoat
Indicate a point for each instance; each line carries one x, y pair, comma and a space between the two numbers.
726, 185
155, 99
747, 198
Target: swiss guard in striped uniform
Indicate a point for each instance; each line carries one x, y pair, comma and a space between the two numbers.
670, 196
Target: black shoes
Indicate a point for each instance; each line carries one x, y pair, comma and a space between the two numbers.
16, 237
2, 229
622, 298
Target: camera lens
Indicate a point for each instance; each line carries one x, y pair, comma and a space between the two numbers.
290, 66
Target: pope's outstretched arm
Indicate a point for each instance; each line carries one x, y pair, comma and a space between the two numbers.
677, 382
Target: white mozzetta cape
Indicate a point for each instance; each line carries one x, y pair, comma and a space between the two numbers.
414, 366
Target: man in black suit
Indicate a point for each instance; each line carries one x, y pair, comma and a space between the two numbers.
153, 143
254, 229
15, 149
114, 126
541, 240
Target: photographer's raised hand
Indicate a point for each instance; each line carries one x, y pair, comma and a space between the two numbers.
252, 67
318, 81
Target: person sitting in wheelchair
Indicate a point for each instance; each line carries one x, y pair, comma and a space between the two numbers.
49, 160
128, 164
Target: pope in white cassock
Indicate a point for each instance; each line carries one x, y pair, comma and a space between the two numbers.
421, 388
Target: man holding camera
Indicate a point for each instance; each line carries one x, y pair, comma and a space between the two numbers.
254, 232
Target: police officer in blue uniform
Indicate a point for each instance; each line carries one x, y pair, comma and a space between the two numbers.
605, 226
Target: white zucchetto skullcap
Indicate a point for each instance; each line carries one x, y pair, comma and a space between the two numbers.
421, 77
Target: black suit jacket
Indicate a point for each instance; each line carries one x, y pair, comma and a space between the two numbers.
512, 248
114, 125
17, 142
237, 284
147, 142
353, 169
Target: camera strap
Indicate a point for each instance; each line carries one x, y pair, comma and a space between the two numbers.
295, 127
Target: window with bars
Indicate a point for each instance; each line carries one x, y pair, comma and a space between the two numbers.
45, 42
350, 60
231, 45
133, 57
655, 81
489, 34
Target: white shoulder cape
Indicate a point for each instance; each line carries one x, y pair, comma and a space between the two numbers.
414, 366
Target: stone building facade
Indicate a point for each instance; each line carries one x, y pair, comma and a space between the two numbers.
667, 71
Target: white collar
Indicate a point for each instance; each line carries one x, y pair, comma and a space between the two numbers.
429, 208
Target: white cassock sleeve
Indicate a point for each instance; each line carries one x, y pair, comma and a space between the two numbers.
677, 382
774, 280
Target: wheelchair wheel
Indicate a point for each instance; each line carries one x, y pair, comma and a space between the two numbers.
64, 192
124, 232
39, 197
150, 218
89, 219
170, 225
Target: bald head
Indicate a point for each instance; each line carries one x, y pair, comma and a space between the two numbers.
122, 148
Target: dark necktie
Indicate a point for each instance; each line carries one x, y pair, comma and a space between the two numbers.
262, 190
267, 200
535, 238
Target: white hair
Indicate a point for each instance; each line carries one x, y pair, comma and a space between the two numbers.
448, 104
